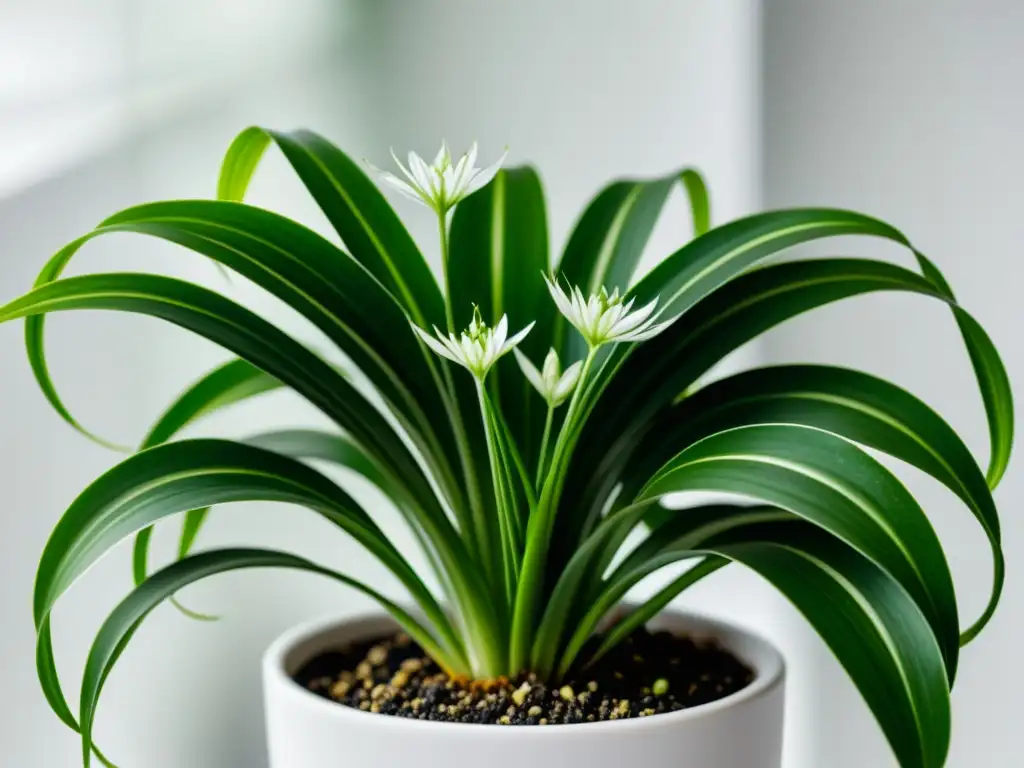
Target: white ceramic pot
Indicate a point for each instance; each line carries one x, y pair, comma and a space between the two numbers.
743, 730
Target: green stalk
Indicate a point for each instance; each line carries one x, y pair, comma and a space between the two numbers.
509, 450
545, 438
517, 521
442, 226
538, 536
476, 529
508, 555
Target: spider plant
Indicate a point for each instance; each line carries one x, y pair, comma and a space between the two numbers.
523, 475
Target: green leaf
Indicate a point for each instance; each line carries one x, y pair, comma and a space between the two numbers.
993, 381
259, 342
649, 377
498, 255
357, 210
849, 403
181, 476
871, 624
35, 344
231, 383
727, 251
323, 284
704, 267
240, 163
585, 572
316, 444
638, 617
448, 561
297, 444
239, 330
836, 485
712, 262
876, 630
226, 385
120, 626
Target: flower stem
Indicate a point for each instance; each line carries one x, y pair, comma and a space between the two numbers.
442, 226
538, 535
508, 554
543, 458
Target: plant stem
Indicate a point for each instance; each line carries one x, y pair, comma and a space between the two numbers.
508, 553
510, 453
543, 458
538, 535
480, 529
482, 624
442, 226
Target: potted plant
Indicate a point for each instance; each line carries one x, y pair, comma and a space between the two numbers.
524, 474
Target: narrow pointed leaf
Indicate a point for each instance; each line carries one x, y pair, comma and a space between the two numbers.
855, 405
180, 476
582, 596
239, 330
870, 623
231, 383
320, 282
121, 625
836, 485
650, 377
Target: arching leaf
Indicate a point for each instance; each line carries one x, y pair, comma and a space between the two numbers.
849, 403
119, 628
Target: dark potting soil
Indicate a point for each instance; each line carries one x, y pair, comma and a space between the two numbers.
649, 674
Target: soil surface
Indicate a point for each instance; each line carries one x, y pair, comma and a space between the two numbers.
649, 674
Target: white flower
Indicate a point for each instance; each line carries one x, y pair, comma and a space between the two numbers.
443, 184
478, 347
604, 319
553, 385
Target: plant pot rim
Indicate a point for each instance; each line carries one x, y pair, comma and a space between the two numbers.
300, 644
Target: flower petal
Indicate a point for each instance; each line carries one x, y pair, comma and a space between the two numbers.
480, 178
501, 332
400, 184
567, 383
423, 174
645, 332
436, 345
531, 373
442, 153
551, 367
634, 320
511, 343
405, 171
561, 300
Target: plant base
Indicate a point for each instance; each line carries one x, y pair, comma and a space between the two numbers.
650, 674
305, 730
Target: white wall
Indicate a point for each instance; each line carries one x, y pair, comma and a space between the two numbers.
587, 90
78, 78
913, 111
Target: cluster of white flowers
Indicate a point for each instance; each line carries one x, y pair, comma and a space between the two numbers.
601, 318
